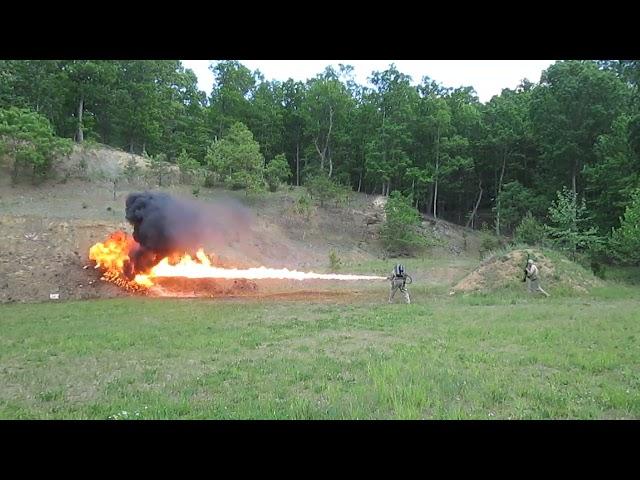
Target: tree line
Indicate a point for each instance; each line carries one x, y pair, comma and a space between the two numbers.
574, 133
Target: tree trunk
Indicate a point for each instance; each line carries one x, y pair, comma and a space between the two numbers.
498, 206
382, 143
573, 177
475, 208
326, 145
297, 164
320, 153
323, 152
435, 199
16, 165
360, 181
435, 190
80, 133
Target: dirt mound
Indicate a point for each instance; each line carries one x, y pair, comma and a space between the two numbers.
453, 238
501, 271
101, 162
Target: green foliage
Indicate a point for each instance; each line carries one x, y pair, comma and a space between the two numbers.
210, 180
277, 171
28, 138
570, 228
236, 159
399, 233
343, 195
325, 110
488, 241
303, 206
390, 145
574, 105
145, 93
159, 168
530, 231
625, 240
188, 166
515, 200
335, 263
233, 84
624, 274
215, 164
251, 183
131, 170
321, 187
615, 175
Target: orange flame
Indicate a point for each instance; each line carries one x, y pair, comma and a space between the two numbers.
113, 254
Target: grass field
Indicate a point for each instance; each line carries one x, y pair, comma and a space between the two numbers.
332, 351
493, 356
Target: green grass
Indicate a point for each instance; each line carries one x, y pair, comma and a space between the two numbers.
629, 275
475, 356
414, 265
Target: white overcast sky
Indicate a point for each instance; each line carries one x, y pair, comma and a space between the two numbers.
487, 77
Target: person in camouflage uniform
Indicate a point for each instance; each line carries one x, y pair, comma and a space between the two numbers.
399, 282
531, 273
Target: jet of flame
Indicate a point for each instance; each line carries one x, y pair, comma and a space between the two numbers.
113, 257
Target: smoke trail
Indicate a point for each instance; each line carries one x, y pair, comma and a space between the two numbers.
163, 224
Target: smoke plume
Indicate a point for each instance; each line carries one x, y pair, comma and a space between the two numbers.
163, 225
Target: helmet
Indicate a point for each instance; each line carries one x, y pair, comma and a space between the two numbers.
529, 262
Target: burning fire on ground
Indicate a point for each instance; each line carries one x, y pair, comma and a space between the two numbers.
115, 257
164, 249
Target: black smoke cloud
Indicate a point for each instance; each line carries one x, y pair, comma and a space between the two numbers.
163, 224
